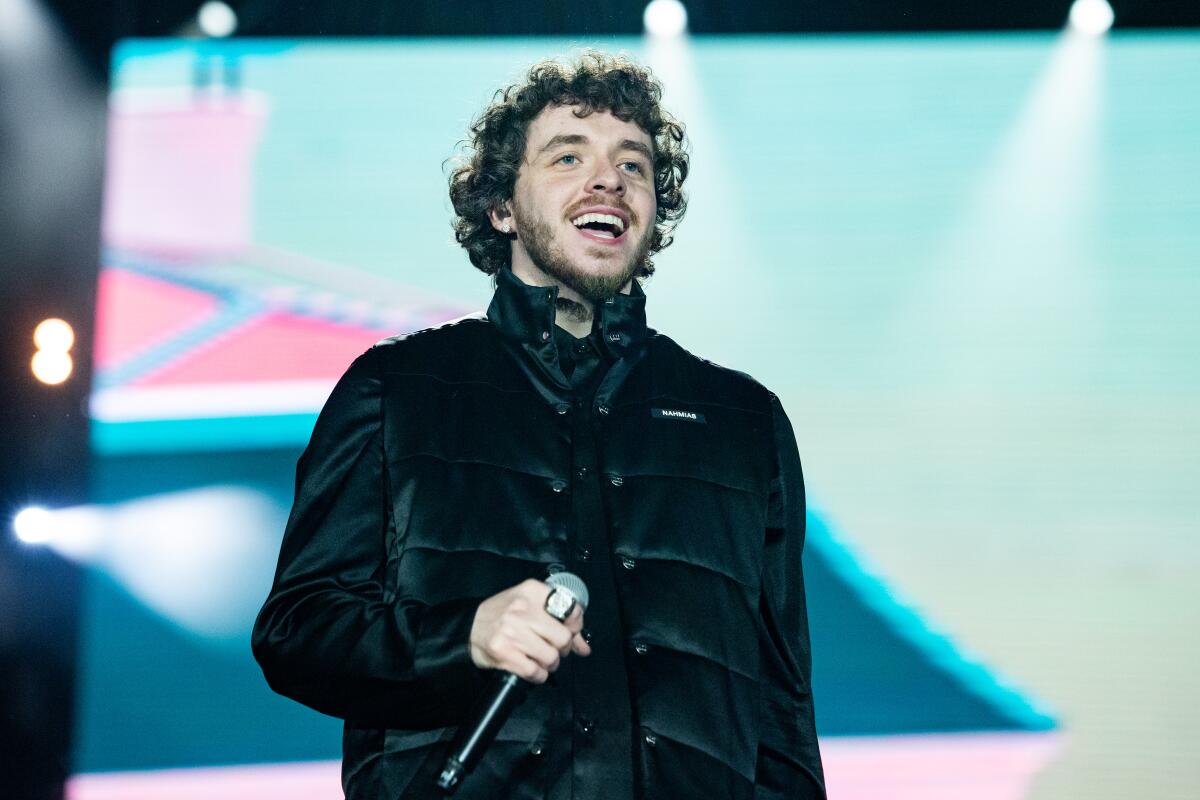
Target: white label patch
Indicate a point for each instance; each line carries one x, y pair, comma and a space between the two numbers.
675, 413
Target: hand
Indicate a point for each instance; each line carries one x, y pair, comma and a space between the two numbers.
512, 631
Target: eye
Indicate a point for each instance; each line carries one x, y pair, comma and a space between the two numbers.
637, 167
563, 159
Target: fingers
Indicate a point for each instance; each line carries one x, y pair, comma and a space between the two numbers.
574, 624
553, 632
534, 646
527, 669
523, 653
557, 633
574, 620
566, 635
512, 631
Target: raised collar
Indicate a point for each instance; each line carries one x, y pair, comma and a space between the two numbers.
525, 314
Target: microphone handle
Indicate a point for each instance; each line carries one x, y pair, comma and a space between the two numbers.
494, 707
474, 738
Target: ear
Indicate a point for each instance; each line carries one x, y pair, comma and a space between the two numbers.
501, 218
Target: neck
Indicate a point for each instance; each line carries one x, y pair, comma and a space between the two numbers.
572, 316
573, 311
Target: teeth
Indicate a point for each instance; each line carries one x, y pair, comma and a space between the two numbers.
608, 218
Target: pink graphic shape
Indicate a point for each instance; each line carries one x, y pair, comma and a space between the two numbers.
316, 780
134, 312
979, 766
180, 170
274, 347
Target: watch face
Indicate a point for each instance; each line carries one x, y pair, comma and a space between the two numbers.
559, 603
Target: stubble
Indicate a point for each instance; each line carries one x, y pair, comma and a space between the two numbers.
537, 236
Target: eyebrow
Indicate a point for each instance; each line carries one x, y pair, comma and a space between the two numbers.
578, 138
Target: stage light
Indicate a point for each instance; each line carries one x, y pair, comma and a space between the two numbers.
165, 549
52, 362
32, 525
665, 18
54, 334
1091, 17
216, 19
51, 367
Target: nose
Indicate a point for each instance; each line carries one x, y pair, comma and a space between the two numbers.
607, 178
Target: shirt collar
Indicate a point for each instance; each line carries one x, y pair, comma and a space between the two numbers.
525, 315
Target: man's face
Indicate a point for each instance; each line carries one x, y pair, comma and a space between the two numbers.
583, 206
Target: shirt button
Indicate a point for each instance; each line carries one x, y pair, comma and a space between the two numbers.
559, 486
628, 563
585, 554
587, 635
603, 409
536, 749
562, 408
586, 725
545, 336
640, 648
616, 480
650, 739
582, 472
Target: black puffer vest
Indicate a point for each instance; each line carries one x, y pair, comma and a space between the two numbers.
453, 463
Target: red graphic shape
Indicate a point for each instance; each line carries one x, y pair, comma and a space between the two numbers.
134, 312
274, 347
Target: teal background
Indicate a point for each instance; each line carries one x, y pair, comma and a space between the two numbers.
965, 263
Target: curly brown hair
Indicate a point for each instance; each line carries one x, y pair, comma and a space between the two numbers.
487, 173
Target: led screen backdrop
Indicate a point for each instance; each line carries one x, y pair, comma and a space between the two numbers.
964, 263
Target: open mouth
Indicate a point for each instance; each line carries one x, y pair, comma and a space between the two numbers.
606, 228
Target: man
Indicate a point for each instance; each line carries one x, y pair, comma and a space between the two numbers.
454, 468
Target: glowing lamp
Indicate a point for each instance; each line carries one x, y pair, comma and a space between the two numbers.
52, 362
51, 367
1091, 17
216, 19
32, 525
665, 18
54, 334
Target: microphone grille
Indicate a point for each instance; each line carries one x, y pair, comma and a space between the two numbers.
568, 581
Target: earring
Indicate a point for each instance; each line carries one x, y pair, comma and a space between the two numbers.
505, 227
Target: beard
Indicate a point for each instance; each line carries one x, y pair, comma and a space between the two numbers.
537, 236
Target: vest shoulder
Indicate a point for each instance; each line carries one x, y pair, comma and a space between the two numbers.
701, 374
454, 333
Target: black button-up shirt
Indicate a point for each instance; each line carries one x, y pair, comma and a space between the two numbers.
598, 685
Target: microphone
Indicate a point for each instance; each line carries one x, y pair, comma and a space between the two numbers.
566, 591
